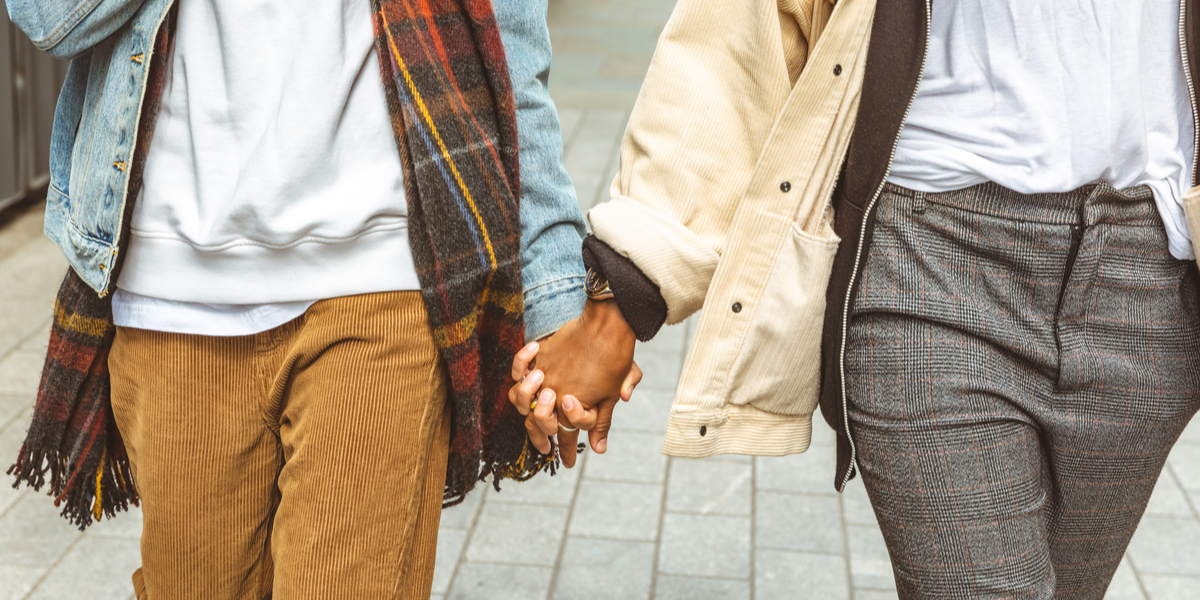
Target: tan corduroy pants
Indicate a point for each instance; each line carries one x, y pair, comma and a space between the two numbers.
307, 461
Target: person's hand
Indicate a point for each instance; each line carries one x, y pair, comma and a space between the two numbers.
600, 337
589, 365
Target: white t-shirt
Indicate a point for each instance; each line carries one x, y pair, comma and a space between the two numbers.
1047, 96
273, 179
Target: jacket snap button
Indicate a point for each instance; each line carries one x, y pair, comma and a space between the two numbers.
703, 430
737, 307
785, 186
837, 69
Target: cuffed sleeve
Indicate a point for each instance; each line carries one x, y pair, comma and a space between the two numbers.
67, 28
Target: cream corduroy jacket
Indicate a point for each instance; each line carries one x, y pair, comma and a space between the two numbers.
722, 199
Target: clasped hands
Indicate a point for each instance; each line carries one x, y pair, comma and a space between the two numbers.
576, 376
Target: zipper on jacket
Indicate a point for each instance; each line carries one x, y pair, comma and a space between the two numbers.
862, 236
1187, 74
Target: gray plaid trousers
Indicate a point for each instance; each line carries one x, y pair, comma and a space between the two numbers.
1019, 367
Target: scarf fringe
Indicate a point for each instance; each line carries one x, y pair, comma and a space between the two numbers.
85, 492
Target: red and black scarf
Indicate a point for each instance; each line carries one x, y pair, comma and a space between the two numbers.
453, 115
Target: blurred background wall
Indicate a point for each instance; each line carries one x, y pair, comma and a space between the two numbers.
29, 82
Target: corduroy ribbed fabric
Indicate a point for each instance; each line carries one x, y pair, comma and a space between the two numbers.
307, 461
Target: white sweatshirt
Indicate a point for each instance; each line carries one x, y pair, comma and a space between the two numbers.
273, 177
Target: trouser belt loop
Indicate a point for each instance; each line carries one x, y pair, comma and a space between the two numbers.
918, 202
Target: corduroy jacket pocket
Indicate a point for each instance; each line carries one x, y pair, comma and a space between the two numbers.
778, 367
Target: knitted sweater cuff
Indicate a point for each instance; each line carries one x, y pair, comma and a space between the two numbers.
638, 297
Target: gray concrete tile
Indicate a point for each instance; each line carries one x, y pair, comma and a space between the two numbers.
431, 597
1160, 587
12, 436
12, 405
543, 489
660, 371
620, 511
517, 534
16, 582
1168, 499
125, 525
605, 570
808, 473
462, 515
40, 338
868, 594
713, 486
631, 457
449, 549
1124, 584
670, 339
647, 411
33, 534
20, 373
856, 505
674, 587
797, 522
1164, 546
95, 568
1185, 461
1191, 434
822, 434
592, 152
780, 574
499, 582
870, 565
708, 546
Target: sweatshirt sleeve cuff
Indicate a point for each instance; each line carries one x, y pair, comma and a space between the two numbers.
640, 300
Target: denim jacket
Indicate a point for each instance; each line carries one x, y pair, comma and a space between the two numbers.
109, 43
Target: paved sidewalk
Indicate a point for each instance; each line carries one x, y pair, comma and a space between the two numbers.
631, 524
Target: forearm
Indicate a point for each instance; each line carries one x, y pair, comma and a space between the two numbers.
551, 223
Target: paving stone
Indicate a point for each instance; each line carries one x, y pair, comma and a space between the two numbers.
39, 340
33, 534
12, 405
856, 505
605, 570
1185, 462
95, 568
517, 534
647, 411
20, 372
673, 587
1164, 546
499, 582
125, 525
1124, 585
618, 511
1161, 587
16, 582
708, 546
1191, 434
449, 549
712, 486
631, 457
543, 489
868, 594
462, 515
870, 565
431, 597
780, 574
20, 319
822, 434
808, 473
660, 372
591, 155
1168, 499
797, 522
670, 339
12, 436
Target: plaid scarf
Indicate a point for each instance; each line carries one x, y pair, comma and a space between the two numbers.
452, 111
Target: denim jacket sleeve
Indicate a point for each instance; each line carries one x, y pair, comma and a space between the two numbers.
67, 28
552, 226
